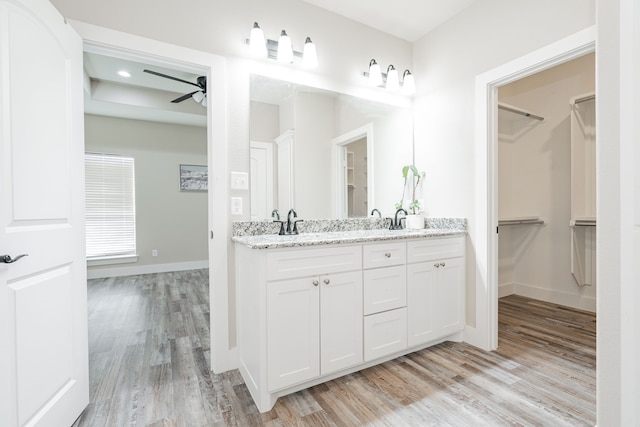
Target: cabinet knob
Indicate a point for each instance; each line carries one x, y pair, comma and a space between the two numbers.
315, 282
327, 281
436, 265
388, 254
442, 264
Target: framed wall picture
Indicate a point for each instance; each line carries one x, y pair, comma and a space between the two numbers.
194, 178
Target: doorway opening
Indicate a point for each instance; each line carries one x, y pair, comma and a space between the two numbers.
546, 186
484, 333
114, 43
353, 171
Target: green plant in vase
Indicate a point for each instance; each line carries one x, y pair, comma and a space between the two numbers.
413, 177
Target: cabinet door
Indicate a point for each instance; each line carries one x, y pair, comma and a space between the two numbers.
450, 308
341, 321
293, 330
422, 281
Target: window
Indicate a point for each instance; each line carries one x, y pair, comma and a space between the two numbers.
110, 209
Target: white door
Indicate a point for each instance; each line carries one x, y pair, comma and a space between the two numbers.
293, 331
43, 314
340, 321
261, 180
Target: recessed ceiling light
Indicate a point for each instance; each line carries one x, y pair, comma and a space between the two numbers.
124, 73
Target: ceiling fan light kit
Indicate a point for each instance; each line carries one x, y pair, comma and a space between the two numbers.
281, 50
200, 95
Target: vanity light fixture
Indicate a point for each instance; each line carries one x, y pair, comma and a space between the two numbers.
375, 74
408, 83
285, 50
309, 54
390, 80
281, 50
257, 44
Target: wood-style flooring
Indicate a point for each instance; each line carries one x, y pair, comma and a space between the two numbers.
149, 366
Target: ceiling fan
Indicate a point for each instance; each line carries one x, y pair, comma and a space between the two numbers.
199, 95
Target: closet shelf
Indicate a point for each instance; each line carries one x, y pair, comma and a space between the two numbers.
521, 221
517, 110
582, 222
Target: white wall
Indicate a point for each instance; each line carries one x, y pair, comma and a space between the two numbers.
535, 180
446, 62
168, 220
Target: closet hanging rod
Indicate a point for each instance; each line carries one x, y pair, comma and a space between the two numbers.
520, 222
582, 223
512, 109
584, 99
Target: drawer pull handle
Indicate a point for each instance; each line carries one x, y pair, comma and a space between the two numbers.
388, 254
327, 281
316, 282
442, 264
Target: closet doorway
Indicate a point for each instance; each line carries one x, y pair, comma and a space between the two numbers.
546, 185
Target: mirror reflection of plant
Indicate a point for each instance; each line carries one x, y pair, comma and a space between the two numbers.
416, 177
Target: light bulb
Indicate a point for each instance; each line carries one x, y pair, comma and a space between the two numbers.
257, 45
285, 50
392, 78
408, 83
375, 75
198, 96
309, 55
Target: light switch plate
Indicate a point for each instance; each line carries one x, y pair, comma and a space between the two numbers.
236, 206
239, 181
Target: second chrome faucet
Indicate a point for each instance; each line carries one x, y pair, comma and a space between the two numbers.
292, 223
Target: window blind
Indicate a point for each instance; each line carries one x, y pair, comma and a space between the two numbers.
110, 205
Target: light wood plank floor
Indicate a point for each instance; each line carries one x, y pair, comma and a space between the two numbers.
149, 358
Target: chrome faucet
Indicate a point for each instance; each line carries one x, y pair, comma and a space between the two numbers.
294, 229
275, 214
396, 224
376, 210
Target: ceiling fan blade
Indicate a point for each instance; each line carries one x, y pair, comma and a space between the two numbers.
170, 77
184, 97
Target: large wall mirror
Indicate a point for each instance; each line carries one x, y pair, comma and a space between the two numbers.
326, 154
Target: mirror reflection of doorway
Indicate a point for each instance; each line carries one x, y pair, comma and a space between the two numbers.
353, 176
356, 178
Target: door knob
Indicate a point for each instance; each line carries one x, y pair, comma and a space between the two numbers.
8, 260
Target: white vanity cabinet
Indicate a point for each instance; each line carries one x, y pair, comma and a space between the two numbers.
435, 287
310, 314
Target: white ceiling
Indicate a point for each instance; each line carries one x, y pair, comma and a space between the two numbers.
142, 96
406, 19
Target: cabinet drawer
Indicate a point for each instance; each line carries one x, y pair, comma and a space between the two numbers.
301, 262
385, 289
434, 249
384, 254
385, 333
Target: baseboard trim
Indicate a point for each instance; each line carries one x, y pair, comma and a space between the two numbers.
505, 289
549, 295
100, 273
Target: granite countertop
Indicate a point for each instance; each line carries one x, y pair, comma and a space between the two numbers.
273, 241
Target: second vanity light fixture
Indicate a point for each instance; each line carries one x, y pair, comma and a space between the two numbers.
390, 79
281, 50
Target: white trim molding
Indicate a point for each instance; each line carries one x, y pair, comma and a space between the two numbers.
100, 273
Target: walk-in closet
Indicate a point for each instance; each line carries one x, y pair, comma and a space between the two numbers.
546, 181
